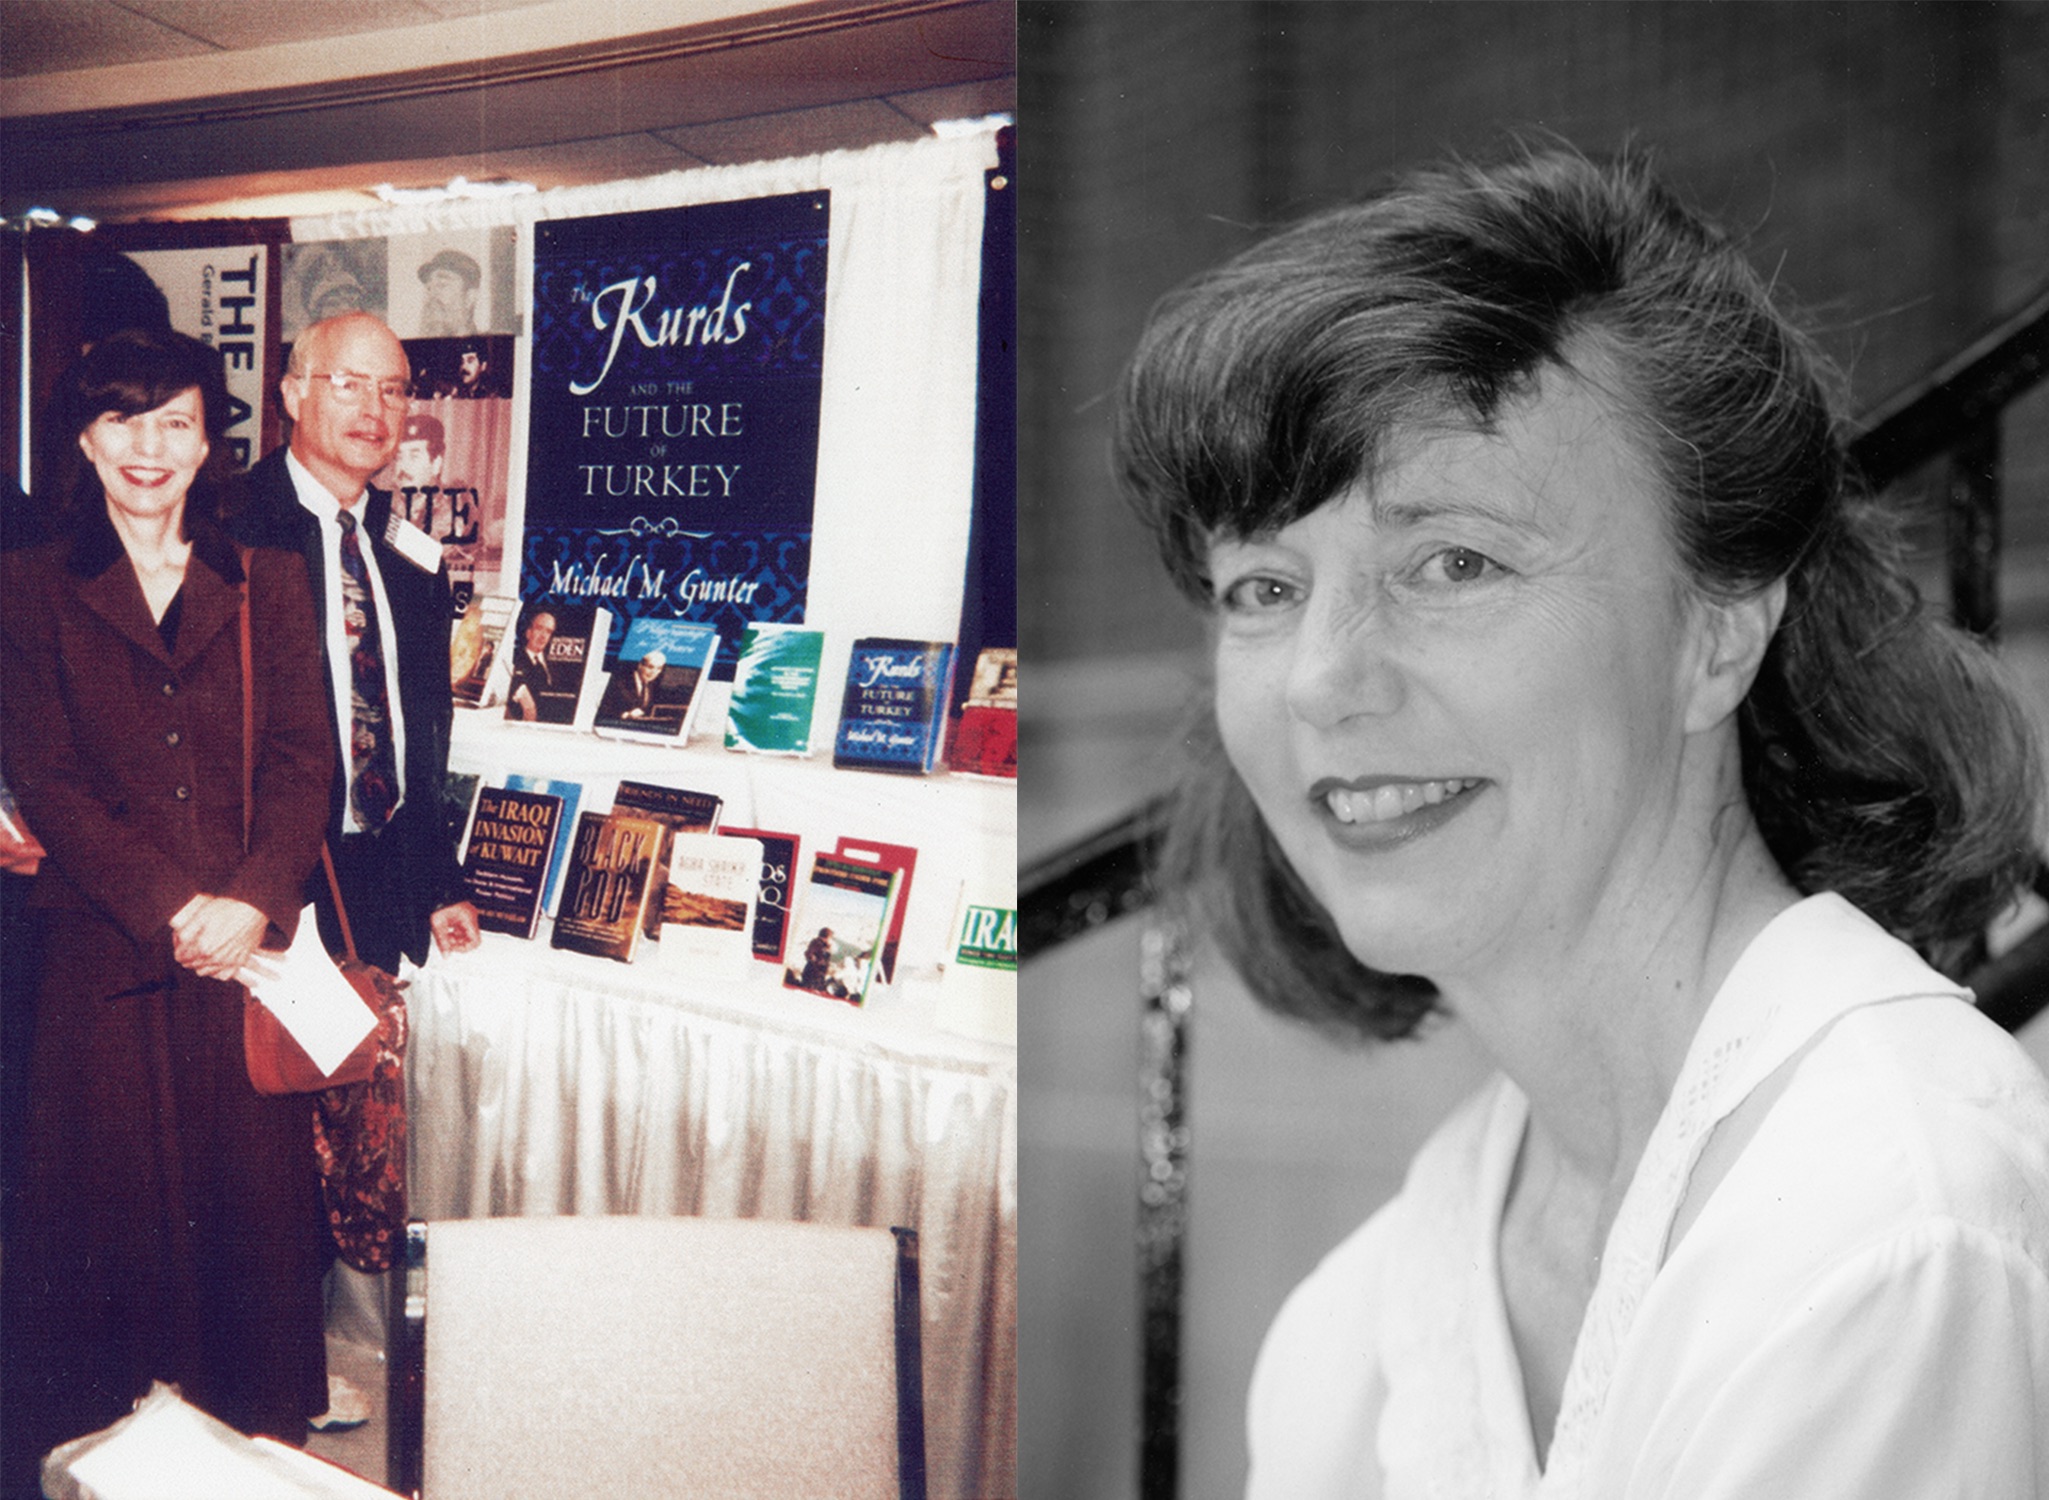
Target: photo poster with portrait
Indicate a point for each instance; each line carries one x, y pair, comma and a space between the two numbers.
451, 474
450, 284
673, 409
219, 295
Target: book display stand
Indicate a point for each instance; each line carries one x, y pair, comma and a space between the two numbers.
815, 1065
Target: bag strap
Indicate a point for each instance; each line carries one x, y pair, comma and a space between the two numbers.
341, 912
248, 709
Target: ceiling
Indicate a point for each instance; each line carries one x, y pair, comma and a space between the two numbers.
128, 109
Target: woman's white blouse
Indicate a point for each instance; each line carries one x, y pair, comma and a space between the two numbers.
1858, 1308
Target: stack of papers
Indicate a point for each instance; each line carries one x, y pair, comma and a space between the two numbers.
167, 1449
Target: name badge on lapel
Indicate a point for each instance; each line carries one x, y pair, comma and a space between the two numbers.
413, 544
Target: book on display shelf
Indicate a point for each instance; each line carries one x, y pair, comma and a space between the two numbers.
459, 805
653, 692
678, 811
984, 739
479, 666
842, 914
902, 858
679, 807
571, 793
893, 711
778, 883
612, 868
505, 864
775, 689
708, 909
978, 992
555, 669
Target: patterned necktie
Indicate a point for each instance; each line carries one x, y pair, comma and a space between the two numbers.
373, 764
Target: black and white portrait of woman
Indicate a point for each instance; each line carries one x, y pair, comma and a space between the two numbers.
1443, 428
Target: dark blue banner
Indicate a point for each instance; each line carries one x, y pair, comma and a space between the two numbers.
673, 435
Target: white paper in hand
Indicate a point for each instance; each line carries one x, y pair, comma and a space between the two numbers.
306, 992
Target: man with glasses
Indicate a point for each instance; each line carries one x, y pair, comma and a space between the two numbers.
384, 607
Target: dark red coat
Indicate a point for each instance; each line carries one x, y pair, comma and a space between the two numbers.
169, 1225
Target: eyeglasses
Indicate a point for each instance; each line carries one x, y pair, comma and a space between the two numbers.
361, 390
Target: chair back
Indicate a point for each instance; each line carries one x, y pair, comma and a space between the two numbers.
659, 1356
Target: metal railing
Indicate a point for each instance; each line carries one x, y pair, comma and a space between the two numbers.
1096, 880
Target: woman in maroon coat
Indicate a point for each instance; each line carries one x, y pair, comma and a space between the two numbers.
170, 1224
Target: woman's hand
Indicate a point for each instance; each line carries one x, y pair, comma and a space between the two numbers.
214, 935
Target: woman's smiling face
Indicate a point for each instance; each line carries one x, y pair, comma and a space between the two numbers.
1459, 693
147, 462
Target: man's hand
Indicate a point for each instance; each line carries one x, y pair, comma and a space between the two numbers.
455, 928
213, 936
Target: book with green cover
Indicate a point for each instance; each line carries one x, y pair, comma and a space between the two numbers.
775, 689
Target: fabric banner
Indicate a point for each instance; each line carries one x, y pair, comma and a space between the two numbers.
677, 365
218, 296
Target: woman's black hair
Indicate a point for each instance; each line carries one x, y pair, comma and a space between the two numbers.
1883, 757
132, 371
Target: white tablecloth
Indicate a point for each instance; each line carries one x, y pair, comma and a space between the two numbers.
544, 1083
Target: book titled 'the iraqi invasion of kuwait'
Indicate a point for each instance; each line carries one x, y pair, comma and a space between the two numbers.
893, 712
506, 865
612, 866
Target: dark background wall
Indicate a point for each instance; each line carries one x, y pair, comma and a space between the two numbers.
1887, 163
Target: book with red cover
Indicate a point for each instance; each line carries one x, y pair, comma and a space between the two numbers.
901, 857
984, 741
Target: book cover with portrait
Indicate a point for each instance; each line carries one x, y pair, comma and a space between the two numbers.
654, 690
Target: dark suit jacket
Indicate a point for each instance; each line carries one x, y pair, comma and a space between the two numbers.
624, 693
414, 858
127, 757
534, 675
